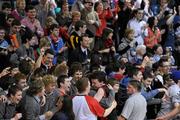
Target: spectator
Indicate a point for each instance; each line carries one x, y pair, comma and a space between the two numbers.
56, 42
31, 102
88, 107
76, 16
64, 17
19, 12
105, 46
44, 9
31, 22
91, 18
138, 26
50, 93
158, 52
61, 69
173, 102
21, 81
66, 112
45, 60
82, 53
76, 72
8, 109
25, 51
133, 109
128, 45
74, 41
64, 84
4, 45
153, 35
6, 9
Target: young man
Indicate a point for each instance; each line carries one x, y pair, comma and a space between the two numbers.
31, 22
76, 72
6, 10
24, 51
20, 80
64, 83
45, 60
31, 102
86, 107
4, 45
172, 102
137, 24
80, 28
102, 93
56, 42
135, 106
50, 93
14, 34
163, 68
8, 109
82, 53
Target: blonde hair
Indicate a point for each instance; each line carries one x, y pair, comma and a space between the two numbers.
61, 69
50, 19
48, 79
44, 42
19, 1
128, 31
75, 13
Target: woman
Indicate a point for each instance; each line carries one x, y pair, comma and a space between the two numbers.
106, 46
104, 14
128, 45
66, 112
64, 16
153, 34
19, 13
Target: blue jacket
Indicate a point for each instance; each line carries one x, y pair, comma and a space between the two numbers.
56, 47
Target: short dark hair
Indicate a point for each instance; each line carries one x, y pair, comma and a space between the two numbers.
151, 21
29, 7
6, 5
112, 81
99, 75
82, 84
27, 35
136, 84
19, 76
61, 79
75, 66
162, 60
25, 66
53, 26
35, 86
134, 71
82, 36
13, 89
49, 51
16, 22
79, 24
147, 75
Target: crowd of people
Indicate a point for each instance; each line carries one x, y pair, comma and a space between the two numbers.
90, 60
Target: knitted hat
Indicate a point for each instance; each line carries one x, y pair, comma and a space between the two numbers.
175, 75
